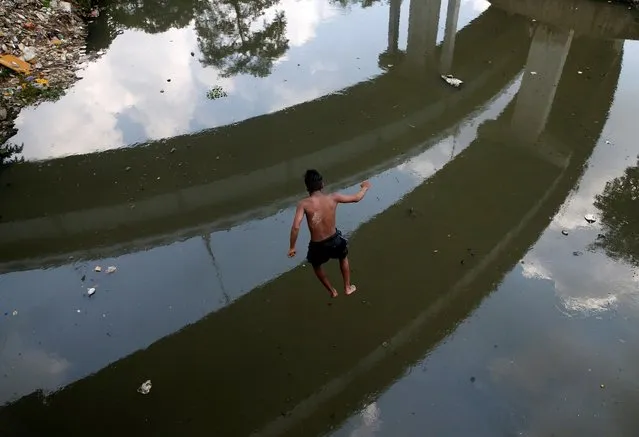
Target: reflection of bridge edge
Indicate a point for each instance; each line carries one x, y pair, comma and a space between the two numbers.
279, 173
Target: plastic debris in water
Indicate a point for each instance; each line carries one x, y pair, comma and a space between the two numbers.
145, 388
91, 291
452, 81
16, 64
564, 232
98, 269
15, 312
590, 218
111, 269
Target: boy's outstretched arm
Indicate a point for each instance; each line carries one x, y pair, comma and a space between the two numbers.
295, 229
353, 198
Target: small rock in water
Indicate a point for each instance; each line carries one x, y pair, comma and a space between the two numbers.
98, 269
145, 388
90, 292
111, 269
590, 218
452, 81
564, 232
577, 253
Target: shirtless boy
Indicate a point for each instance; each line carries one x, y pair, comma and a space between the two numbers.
326, 241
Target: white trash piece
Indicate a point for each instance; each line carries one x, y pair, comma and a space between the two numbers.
111, 269
590, 218
145, 388
98, 269
452, 81
91, 291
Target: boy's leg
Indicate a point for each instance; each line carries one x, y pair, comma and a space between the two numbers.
345, 267
319, 272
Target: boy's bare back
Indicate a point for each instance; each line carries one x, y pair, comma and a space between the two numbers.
320, 210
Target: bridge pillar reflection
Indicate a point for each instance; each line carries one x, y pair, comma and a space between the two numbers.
546, 58
423, 20
448, 48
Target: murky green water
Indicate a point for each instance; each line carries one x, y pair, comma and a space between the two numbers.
487, 305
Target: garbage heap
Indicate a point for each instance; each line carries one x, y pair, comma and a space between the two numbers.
42, 43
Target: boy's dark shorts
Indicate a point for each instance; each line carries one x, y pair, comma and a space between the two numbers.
334, 247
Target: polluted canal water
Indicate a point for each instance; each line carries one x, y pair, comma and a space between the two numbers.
495, 256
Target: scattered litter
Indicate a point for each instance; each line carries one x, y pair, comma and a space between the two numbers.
78, 311
580, 72
435, 251
602, 386
90, 292
65, 6
564, 232
15, 312
14, 63
452, 81
590, 218
111, 269
29, 54
145, 388
98, 269
533, 73
607, 142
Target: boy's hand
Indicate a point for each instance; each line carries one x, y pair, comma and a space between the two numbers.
291, 252
366, 185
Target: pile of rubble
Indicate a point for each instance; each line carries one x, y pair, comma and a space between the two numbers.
42, 42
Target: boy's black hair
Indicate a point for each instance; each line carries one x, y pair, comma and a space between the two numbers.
313, 180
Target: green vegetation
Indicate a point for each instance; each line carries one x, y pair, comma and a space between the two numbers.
8, 154
32, 94
216, 93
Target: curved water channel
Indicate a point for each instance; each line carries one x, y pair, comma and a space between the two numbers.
486, 305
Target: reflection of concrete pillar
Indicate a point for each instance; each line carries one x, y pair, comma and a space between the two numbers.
423, 18
452, 16
546, 57
393, 26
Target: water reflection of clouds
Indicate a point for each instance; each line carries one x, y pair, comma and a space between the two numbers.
592, 283
122, 90
24, 368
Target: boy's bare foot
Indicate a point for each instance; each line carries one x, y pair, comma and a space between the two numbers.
351, 289
334, 293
